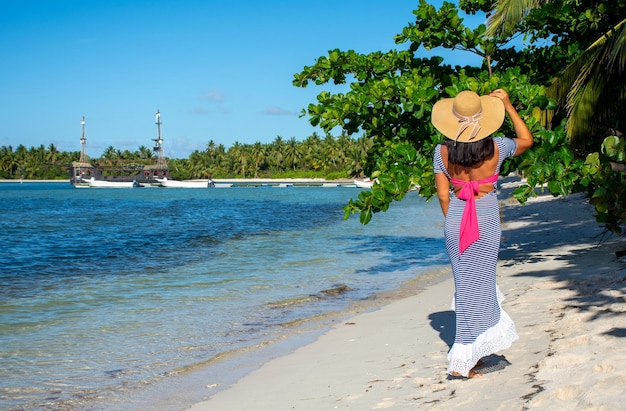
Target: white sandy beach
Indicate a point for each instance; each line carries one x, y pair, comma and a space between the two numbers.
564, 288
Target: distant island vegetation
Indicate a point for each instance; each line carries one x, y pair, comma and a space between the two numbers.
326, 157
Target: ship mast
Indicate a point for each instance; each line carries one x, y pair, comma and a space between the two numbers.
83, 140
158, 147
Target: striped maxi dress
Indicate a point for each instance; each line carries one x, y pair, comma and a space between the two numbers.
482, 326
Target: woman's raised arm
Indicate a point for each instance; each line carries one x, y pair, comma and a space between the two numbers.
524, 137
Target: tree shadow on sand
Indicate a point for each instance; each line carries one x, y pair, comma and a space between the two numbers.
564, 230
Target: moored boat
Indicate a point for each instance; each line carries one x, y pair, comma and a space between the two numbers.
84, 173
93, 183
367, 183
165, 182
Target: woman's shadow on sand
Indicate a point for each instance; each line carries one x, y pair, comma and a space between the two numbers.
444, 323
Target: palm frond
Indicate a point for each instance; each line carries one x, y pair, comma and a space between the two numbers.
507, 14
617, 54
593, 84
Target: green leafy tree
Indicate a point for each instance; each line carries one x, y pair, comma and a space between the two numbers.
566, 80
589, 42
390, 99
392, 94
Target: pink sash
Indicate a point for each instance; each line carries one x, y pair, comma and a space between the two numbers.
469, 222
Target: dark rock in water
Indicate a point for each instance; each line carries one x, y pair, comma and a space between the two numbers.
341, 289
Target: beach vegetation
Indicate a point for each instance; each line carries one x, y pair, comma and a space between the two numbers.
325, 157
561, 62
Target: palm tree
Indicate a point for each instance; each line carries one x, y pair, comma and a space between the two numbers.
109, 154
344, 144
292, 153
358, 155
144, 153
310, 149
219, 160
34, 161
7, 161
257, 153
592, 86
240, 155
276, 154
53, 153
330, 148
21, 171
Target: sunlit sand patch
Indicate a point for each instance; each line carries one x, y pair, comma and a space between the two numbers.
575, 342
559, 362
384, 404
604, 368
421, 381
567, 393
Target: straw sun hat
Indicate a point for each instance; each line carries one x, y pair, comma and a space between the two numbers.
468, 117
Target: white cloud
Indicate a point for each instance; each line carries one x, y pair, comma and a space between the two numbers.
214, 95
277, 111
200, 110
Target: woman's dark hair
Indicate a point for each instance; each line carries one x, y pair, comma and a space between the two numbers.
469, 154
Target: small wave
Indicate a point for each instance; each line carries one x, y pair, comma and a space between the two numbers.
328, 293
292, 301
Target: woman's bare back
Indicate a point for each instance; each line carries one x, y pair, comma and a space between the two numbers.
478, 172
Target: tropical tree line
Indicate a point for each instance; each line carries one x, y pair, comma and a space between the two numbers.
35, 162
561, 61
328, 157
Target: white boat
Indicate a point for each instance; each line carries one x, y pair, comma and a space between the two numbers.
93, 183
367, 183
164, 182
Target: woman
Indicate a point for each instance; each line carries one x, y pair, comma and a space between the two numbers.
469, 162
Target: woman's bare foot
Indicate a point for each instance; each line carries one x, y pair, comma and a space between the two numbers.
472, 373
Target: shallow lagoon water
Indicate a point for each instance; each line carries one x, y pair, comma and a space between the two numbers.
105, 294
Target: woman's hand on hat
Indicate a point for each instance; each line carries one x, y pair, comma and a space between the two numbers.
502, 95
524, 138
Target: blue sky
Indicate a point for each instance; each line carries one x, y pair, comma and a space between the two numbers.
216, 70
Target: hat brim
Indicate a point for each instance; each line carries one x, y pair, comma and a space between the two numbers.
445, 121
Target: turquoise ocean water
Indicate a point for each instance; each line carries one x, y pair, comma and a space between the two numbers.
126, 298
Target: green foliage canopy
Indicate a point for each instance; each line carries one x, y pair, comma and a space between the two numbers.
392, 93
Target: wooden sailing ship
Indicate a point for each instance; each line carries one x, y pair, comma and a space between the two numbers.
84, 173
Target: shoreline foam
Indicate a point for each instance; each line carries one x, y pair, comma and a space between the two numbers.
565, 291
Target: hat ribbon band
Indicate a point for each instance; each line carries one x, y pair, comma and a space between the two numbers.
465, 122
